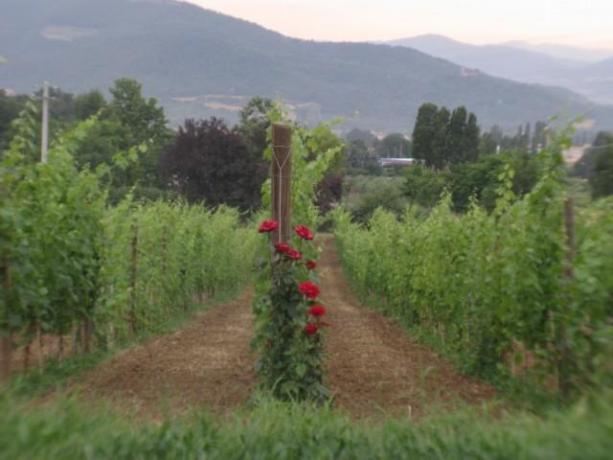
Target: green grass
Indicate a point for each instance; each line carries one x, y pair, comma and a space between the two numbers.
67, 430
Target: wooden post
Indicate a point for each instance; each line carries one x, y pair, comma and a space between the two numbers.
281, 177
6, 339
133, 275
565, 357
569, 225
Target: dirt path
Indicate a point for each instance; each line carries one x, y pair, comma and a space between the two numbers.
373, 368
207, 364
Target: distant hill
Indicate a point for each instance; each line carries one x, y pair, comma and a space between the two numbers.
201, 63
526, 63
565, 51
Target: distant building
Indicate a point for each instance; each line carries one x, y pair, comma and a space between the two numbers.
398, 161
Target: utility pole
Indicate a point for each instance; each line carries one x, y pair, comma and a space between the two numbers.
45, 134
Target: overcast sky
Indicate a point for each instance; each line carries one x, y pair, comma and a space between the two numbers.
576, 22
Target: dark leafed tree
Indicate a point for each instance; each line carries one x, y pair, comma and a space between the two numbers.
88, 104
472, 134
425, 132
586, 165
455, 140
212, 163
539, 139
602, 179
438, 154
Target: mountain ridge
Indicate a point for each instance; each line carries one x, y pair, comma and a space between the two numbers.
525, 64
201, 63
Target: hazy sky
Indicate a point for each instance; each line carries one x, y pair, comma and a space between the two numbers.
577, 22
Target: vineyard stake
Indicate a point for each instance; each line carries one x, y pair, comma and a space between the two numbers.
281, 178
44, 145
6, 339
133, 274
565, 359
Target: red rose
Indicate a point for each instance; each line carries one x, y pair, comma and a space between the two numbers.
303, 232
310, 329
282, 248
309, 289
311, 264
293, 254
317, 310
268, 226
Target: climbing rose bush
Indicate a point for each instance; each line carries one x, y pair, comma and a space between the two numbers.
289, 326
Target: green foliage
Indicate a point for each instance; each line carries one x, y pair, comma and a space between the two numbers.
159, 257
66, 259
596, 165
50, 237
66, 429
366, 193
359, 159
424, 185
479, 284
10, 108
478, 180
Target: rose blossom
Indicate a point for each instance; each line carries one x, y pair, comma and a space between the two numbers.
293, 254
282, 248
311, 264
303, 232
317, 310
310, 329
268, 226
309, 289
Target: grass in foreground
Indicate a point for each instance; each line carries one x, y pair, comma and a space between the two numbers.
67, 430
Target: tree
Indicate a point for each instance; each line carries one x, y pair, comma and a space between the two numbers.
472, 134
89, 104
254, 124
212, 163
141, 130
441, 138
143, 121
424, 186
393, 145
539, 139
455, 138
10, 107
585, 167
425, 132
438, 153
601, 179
356, 134
359, 160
